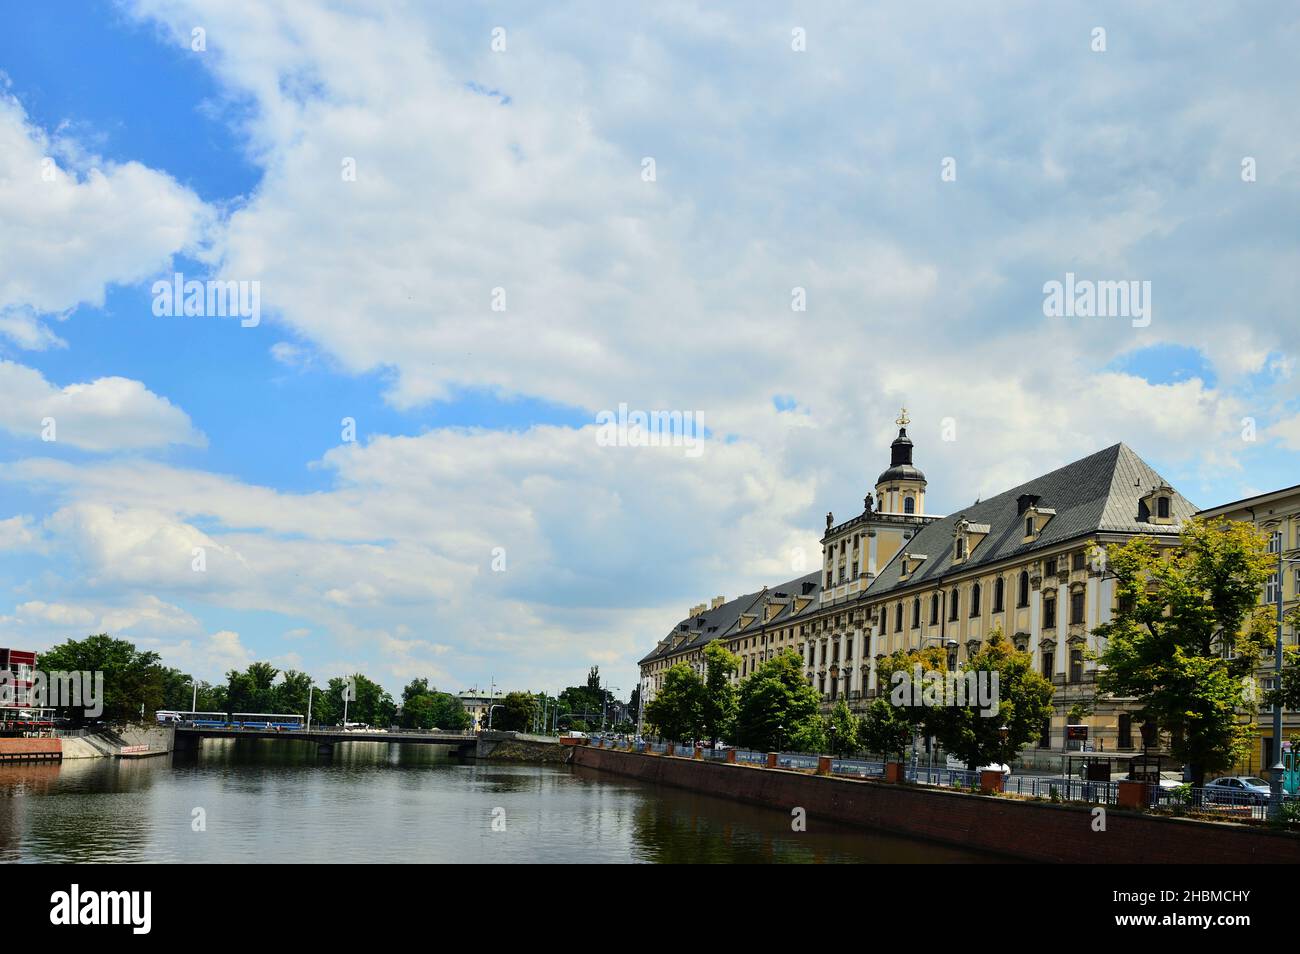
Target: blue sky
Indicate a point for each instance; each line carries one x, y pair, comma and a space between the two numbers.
500, 269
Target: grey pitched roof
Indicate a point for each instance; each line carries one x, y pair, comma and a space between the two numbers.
725, 620
1101, 492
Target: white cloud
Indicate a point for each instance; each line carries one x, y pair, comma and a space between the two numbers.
208, 658
18, 533
68, 233
107, 414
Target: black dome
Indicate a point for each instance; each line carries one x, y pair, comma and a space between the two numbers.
900, 460
901, 472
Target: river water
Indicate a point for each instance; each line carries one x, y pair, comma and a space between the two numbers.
275, 801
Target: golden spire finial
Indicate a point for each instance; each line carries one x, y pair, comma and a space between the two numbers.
903, 419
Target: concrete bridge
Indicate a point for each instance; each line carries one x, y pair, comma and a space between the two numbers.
512, 746
325, 738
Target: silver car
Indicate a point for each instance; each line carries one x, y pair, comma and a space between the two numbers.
1238, 790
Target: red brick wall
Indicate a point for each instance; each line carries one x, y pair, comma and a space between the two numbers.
1035, 831
30, 746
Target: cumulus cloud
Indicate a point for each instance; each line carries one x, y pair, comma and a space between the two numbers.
107, 414
74, 223
516, 179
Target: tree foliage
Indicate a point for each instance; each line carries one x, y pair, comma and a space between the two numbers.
1188, 633
424, 707
677, 710
516, 713
718, 717
132, 678
884, 730
841, 730
778, 707
980, 735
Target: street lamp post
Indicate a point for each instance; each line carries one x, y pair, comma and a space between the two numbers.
1275, 781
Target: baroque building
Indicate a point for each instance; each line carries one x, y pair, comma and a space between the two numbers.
1030, 560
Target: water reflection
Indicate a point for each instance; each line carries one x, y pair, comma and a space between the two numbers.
279, 801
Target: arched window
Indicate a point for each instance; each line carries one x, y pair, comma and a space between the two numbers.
999, 593
1023, 597
909, 504
975, 600
898, 618
916, 612
956, 601
934, 610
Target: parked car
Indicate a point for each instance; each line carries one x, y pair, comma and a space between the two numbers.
957, 765
1238, 790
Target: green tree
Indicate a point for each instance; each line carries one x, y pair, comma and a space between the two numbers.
841, 730
810, 736
777, 705
447, 712
1018, 702
884, 730
261, 680
1188, 630
131, 678
240, 691
516, 712
677, 710
720, 696
291, 693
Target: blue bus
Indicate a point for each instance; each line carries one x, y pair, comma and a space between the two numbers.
267, 720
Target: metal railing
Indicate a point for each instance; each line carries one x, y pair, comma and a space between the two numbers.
1183, 799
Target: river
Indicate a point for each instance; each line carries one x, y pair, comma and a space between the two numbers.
273, 801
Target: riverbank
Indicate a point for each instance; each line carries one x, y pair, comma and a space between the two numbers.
1032, 831
131, 741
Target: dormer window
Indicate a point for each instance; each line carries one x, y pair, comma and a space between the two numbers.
1036, 518
1156, 505
961, 548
